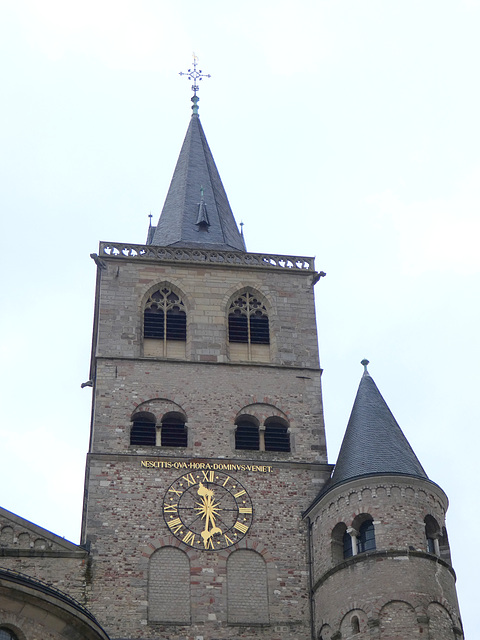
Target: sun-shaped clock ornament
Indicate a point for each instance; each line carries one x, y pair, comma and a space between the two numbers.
208, 510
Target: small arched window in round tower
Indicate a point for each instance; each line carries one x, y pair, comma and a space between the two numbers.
143, 431
7, 634
366, 537
247, 434
432, 534
355, 622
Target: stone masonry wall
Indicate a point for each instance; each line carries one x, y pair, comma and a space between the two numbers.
207, 293
399, 569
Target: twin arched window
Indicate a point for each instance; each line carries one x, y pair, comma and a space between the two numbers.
170, 431
350, 541
273, 436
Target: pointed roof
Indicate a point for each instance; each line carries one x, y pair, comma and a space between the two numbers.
196, 212
373, 442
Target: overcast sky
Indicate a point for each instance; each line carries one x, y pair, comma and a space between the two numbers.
346, 130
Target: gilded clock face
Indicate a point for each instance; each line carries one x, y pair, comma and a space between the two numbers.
207, 510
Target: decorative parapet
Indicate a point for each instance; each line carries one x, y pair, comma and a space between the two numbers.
209, 256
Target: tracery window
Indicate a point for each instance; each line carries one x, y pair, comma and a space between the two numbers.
165, 321
248, 325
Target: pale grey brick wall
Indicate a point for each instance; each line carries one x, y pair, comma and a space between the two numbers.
247, 588
169, 586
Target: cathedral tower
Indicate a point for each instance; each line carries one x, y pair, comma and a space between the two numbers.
207, 439
210, 510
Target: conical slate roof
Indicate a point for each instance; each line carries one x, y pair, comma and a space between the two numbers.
373, 442
196, 212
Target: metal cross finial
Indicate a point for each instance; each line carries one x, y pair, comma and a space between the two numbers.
196, 76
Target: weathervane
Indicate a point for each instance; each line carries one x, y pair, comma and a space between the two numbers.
196, 76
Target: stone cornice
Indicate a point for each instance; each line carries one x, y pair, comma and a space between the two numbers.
377, 555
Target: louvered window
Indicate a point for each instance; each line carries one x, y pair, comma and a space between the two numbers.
247, 436
143, 432
174, 434
248, 321
277, 437
161, 305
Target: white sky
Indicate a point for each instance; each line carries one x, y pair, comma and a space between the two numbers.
346, 130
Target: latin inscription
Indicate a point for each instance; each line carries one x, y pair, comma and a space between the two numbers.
209, 466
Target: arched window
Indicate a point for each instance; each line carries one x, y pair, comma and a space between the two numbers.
277, 437
165, 322
338, 543
173, 431
6, 634
143, 431
248, 325
247, 435
366, 537
432, 534
355, 622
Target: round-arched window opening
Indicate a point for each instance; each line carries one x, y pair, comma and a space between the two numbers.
7, 634
174, 430
247, 435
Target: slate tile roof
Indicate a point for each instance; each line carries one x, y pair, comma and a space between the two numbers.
373, 442
179, 225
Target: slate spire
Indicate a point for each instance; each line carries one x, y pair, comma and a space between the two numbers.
196, 188
373, 442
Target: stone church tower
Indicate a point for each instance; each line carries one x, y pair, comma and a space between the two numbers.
210, 510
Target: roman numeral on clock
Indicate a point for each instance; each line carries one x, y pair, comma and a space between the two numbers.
240, 527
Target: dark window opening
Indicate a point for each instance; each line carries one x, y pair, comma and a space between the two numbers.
160, 305
6, 634
174, 434
153, 323
366, 537
176, 324
247, 436
277, 437
143, 432
237, 327
430, 545
347, 545
248, 321
259, 331
355, 624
